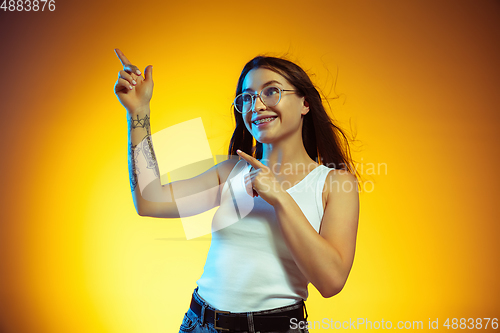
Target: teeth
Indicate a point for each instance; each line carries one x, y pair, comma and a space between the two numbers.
265, 120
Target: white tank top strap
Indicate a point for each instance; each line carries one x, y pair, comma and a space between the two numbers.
320, 187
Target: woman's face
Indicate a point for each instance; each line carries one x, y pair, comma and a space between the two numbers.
286, 115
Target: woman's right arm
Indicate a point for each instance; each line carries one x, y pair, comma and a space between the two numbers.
176, 199
151, 198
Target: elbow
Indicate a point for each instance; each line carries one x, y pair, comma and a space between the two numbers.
141, 207
143, 212
332, 289
330, 292
138, 209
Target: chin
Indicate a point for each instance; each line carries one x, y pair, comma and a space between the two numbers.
263, 139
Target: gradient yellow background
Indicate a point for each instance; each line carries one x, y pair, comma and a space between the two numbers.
419, 83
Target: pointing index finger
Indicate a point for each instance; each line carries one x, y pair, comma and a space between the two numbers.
126, 63
253, 161
122, 57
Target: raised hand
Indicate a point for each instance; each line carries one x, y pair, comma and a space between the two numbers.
132, 89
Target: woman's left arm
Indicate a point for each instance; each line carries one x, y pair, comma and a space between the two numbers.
326, 258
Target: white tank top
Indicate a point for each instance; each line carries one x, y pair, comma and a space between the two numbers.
249, 267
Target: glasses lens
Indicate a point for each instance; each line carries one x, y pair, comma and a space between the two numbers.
271, 96
243, 102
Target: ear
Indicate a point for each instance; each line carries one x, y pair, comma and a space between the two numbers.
305, 107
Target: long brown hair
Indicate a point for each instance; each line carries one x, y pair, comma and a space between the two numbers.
324, 141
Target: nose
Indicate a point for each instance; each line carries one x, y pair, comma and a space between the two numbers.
258, 105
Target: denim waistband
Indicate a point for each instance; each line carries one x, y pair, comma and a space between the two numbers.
297, 305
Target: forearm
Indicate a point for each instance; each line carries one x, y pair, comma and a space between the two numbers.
317, 259
144, 173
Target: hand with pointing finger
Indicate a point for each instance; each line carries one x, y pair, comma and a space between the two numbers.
261, 181
132, 89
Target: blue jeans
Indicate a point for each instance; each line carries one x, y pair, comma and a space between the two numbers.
192, 323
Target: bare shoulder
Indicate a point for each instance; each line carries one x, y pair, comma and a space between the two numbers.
339, 180
339, 174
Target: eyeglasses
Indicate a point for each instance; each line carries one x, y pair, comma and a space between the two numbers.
270, 96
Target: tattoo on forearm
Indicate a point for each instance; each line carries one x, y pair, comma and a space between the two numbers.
140, 123
135, 149
133, 170
149, 154
146, 146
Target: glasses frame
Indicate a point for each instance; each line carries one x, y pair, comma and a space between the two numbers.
260, 97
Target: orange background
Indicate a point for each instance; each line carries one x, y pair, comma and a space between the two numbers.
419, 86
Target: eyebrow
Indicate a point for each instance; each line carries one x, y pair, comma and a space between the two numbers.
265, 85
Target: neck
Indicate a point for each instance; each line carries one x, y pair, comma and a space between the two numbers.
288, 153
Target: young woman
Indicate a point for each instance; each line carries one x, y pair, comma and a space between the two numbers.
288, 207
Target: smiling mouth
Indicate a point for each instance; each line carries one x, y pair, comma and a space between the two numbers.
263, 120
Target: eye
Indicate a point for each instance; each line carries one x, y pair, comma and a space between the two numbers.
271, 91
246, 98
